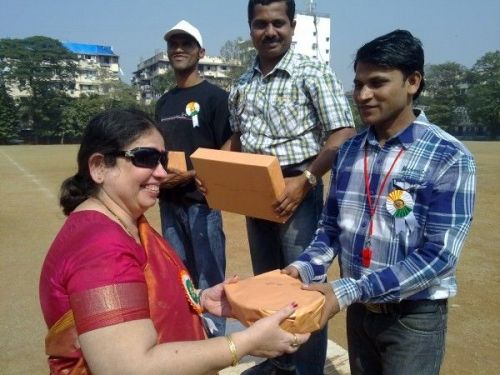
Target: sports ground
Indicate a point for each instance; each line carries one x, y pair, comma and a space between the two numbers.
30, 218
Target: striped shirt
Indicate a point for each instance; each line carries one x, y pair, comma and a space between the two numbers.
289, 112
417, 263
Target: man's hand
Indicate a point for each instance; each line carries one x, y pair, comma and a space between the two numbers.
296, 189
291, 271
176, 177
200, 186
332, 306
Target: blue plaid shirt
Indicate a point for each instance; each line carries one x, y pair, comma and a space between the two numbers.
417, 263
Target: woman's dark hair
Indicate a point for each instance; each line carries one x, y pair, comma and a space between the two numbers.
290, 8
398, 49
106, 133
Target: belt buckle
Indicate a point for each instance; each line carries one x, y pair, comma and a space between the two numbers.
376, 308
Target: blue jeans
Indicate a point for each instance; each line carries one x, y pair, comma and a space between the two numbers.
273, 246
406, 342
196, 234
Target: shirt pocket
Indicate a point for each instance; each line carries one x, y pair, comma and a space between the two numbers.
416, 183
285, 116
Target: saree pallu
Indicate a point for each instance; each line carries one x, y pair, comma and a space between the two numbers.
162, 298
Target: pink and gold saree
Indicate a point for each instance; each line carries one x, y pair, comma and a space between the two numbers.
162, 297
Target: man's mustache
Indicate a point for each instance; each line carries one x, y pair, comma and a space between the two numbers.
271, 40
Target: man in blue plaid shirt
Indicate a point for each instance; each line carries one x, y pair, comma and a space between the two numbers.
399, 209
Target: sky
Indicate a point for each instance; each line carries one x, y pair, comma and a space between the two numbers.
450, 30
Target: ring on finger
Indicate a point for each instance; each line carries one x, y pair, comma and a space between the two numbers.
295, 342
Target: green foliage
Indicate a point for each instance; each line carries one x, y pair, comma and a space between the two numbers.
121, 95
163, 83
483, 97
8, 119
445, 91
241, 51
37, 64
79, 111
355, 114
42, 69
77, 114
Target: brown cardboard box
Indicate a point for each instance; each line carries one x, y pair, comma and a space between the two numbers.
242, 183
177, 160
260, 296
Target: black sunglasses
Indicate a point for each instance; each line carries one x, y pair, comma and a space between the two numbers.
145, 157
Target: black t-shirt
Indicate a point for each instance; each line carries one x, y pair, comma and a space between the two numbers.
192, 117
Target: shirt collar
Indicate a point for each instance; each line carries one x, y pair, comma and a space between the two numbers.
286, 64
405, 137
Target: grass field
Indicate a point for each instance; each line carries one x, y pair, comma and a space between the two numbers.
30, 218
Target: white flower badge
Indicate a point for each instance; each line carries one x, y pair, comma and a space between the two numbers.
192, 110
400, 204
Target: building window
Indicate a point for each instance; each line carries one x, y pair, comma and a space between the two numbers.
327, 38
314, 46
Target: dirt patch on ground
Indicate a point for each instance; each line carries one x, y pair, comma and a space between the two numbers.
30, 218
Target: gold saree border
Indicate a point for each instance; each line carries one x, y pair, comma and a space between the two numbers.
109, 305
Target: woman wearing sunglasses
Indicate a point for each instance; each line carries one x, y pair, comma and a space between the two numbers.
115, 296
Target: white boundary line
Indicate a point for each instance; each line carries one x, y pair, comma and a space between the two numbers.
30, 176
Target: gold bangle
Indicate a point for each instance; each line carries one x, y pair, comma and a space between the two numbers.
232, 349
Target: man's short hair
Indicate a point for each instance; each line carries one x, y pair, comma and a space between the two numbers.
290, 6
398, 49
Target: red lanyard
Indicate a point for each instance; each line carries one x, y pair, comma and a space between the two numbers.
366, 254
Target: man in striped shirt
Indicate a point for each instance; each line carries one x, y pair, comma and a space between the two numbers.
292, 107
399, 209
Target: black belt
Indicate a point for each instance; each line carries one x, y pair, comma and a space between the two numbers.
297, 169
404, 307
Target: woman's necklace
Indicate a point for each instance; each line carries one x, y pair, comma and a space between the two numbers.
117, 218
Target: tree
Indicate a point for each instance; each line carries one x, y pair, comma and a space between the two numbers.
355, 113
444, 92
162, 83
80, 110
77, 114
240, 53
41, 69
483, 96
8, 118
121, 95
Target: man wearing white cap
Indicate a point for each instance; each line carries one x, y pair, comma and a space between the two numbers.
193, 114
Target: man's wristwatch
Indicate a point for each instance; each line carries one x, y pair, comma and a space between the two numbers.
313, 181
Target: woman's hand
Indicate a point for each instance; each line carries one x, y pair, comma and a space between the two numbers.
267, 339
214, 299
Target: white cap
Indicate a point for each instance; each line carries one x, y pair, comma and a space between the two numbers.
184, 27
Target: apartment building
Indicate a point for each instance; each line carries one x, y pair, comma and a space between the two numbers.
98, 65
312, 35
212, 68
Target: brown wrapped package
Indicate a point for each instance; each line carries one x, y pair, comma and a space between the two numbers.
246, 184
263, 295
177, 160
